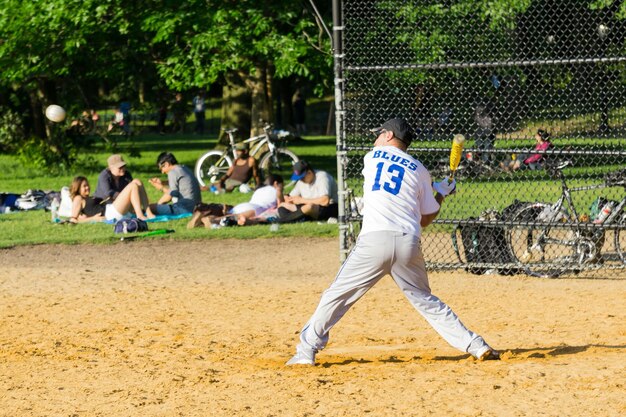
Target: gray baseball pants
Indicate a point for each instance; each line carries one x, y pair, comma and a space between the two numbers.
375, 255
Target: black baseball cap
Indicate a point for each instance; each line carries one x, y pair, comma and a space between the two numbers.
299, 170
399, 127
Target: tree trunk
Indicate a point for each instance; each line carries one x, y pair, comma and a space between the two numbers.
261, 99
269, 83
285, 95
38, 127
141, 92
236, 103
40, 97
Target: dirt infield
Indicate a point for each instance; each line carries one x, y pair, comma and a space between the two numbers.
164, 328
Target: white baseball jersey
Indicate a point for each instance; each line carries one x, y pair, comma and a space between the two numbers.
396, 192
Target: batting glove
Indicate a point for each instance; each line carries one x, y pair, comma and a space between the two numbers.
444, 187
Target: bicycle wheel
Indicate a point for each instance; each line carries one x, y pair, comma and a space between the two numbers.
541, 250
281, 162
211, 166
620, 238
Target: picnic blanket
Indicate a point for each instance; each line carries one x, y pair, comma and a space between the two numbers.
160, 218
168, 217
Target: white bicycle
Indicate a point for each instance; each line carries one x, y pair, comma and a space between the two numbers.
273, 158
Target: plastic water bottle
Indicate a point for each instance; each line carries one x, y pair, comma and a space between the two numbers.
54, 210
606, 210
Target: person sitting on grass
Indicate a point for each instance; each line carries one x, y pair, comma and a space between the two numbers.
313, 197
530, 160
182, 189
112, 180
86, 209
259, 209
117, 122
244, 168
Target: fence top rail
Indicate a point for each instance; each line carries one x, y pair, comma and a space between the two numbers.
494, 64
503, 150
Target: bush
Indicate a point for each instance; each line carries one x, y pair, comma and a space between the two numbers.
36, 153
11, 130
54, 156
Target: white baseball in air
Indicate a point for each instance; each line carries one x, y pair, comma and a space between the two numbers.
55, 113
603, 30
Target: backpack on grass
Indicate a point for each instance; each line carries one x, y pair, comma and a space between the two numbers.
31, 200
130, 226
486, 243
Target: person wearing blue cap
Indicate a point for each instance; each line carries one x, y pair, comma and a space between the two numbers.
313, 197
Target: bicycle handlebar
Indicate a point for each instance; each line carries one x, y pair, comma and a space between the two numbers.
613, 179
267, 128
556, 168
558, 165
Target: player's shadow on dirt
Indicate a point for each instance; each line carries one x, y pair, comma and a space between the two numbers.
346, 362
394, 359
538, 352
554, 351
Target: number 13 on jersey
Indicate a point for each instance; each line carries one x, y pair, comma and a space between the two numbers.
395, 173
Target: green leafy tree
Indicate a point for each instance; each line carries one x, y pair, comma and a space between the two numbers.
56, 50
245, 44
477, 45
71, 52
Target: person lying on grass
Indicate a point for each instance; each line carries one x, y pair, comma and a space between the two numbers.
260, 209
85, 209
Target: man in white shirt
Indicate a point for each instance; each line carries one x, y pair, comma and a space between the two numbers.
313, 197
398, 202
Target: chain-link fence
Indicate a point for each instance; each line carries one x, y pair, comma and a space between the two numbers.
538, 89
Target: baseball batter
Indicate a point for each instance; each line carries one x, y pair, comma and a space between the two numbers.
398, 203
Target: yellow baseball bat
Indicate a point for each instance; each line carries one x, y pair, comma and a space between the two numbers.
455, 154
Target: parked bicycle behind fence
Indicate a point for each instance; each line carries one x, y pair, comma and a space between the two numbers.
267, 148
551, 239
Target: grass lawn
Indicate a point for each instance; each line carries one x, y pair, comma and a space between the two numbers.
473, 197
35, 227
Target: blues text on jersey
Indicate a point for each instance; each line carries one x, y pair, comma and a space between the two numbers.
379, 154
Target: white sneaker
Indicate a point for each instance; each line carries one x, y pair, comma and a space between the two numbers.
482, 351
302, 358
489, 355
